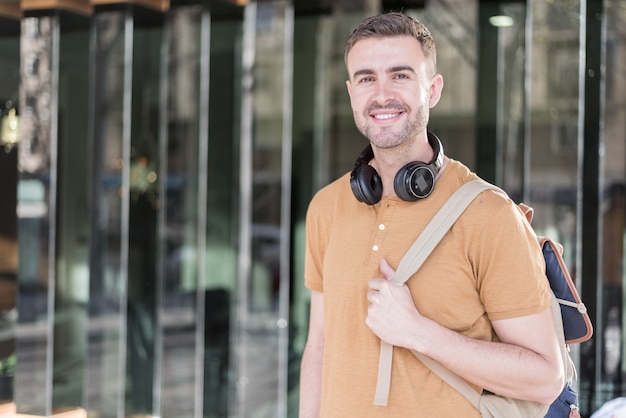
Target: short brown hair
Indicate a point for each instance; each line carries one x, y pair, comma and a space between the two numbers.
394, 24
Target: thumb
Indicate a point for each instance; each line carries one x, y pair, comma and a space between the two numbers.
386, 269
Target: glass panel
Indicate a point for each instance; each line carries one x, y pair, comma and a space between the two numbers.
553, 101
36, 212
9, 95
454, 27
262, 323
554, 116
222, 217
144, 202
335, 154
72, 284
200, 272
179, 325
511, 109
37, 193
312, 45
109, 251
611, 335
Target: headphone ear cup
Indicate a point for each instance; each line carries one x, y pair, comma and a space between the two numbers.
366, 184
414, 181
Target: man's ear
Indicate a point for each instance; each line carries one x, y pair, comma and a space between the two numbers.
436, 86
349, 87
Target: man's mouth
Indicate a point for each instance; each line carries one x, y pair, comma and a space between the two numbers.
385, 116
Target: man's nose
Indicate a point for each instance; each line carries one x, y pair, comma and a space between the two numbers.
384, 93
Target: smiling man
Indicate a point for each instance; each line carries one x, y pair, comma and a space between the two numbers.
479, 305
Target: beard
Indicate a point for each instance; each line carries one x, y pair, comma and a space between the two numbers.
391, 136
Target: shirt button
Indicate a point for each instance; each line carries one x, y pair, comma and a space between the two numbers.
381, 226
375, 248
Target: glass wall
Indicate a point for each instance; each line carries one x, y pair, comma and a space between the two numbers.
9, 102
179, 340
71, 293
610, 334
265, 200
37, 192
167, 158
109, 240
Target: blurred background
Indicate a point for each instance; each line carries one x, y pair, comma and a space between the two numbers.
157, 158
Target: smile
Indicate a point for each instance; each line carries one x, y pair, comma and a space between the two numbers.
386, 116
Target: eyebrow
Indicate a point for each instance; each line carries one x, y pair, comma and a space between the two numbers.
395, 69
362, 72
401, 68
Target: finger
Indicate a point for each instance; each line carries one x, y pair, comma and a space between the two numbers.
386, 269
376, 284
372, 296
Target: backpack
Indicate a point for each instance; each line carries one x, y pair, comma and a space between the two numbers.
570, 315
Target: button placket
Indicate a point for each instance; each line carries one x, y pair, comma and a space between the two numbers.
384, 216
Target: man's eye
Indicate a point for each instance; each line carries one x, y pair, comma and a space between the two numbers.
402, 76
365, 80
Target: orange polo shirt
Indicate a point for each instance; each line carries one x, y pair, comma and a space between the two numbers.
488, 266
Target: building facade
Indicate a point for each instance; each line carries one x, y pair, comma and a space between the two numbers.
158, 157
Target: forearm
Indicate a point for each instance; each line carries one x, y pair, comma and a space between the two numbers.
311, 381
526, 364
502, 368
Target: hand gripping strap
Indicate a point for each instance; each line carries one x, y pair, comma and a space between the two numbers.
416, 255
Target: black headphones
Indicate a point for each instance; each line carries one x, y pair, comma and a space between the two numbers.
412, 182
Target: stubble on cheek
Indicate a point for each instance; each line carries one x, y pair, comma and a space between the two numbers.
414, 121
387, 136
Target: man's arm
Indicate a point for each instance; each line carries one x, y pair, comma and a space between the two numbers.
525, 364
311, 368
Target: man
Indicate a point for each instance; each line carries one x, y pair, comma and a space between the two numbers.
479, 305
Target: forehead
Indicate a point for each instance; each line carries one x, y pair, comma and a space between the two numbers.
380, 53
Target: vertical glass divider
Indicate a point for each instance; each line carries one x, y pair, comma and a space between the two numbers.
125, 207
285, 219
52, 211
203, 181
161, 218
321, 163
499, 119
528, 67
582, 69
245, 198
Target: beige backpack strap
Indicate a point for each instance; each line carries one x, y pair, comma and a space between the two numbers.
450, 378
416, 255
438, 227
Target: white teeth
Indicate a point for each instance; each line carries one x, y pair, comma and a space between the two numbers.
386, 116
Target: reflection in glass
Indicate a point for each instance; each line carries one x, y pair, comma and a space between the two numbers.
109, 240
74, 209
613, 259
554, 114
36, 212
266, 173
222, 215
9, 80
143, 185
178, 276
